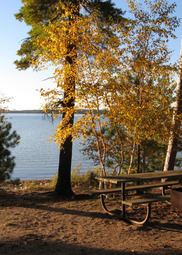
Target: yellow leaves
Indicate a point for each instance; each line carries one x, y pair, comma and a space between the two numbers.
143, 106
132, 4
123, 73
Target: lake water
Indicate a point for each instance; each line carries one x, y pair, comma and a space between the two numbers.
37, 158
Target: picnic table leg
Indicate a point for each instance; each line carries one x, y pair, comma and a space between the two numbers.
142, 222
148, 213
163, 191
123, 198
116, 213
123, 206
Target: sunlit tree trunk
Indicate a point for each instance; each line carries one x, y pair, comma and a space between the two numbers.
176, 123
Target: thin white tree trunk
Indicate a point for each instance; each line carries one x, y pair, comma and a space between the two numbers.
176, 123
131, 159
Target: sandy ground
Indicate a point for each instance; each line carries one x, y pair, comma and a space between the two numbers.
36, 223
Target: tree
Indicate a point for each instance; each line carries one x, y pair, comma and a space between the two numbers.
144, 91
138, 97
8, 139
60, 31
150, 157
175, 131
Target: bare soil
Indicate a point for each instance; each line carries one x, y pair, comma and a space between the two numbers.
35, 222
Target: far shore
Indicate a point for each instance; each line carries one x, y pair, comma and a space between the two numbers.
78, 111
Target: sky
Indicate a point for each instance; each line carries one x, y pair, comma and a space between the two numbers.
22, 87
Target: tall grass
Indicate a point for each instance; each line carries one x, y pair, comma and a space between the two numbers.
79, 179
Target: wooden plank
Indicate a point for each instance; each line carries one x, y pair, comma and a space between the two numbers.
153, 185
104, 191
111, 180
134, 187
141, 176
145, 200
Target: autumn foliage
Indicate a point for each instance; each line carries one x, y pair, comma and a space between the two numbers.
119, 65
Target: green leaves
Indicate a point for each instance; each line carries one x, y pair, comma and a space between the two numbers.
8, 140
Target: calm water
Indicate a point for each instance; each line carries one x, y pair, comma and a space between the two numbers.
36, 158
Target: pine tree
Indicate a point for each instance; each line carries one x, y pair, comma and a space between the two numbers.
8, 139
56, 22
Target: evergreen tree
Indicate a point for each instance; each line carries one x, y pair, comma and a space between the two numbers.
8, 139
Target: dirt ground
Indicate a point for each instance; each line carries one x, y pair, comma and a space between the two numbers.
36, 223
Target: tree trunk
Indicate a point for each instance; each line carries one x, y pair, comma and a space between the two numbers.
63, 187
138, 158
176, 123
131, 159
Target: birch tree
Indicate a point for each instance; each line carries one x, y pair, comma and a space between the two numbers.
139, 96
172, 148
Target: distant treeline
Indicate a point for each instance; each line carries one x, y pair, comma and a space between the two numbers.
78, 111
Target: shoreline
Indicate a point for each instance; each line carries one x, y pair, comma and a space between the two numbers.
77, 111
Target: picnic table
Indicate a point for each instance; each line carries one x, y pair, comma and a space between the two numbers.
162, 179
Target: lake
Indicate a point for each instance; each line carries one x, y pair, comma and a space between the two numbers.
37, 158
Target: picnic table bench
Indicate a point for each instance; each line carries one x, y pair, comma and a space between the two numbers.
164, 180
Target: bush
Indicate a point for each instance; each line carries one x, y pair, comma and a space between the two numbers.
81, 179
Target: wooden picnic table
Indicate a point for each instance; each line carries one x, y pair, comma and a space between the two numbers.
173, 177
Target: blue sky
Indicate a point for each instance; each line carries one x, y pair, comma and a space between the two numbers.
23, 86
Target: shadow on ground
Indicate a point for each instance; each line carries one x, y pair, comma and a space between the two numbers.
38, 200
36, 245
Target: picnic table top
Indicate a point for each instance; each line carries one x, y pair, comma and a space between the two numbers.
177, 174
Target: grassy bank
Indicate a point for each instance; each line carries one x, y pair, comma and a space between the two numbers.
79, 180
